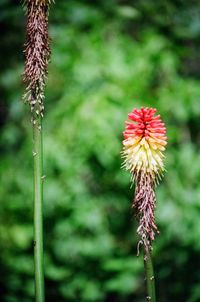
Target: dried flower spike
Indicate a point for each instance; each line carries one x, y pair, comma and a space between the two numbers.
37, 53
144, 141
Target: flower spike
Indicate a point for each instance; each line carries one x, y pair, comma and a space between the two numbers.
143, 146
37, 54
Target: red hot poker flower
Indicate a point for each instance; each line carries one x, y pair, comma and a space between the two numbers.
144, 141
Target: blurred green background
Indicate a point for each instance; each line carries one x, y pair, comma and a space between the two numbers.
107, 58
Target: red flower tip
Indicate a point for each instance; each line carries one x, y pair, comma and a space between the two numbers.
144, 140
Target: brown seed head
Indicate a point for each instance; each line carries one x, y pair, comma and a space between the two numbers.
144, 204
37, 53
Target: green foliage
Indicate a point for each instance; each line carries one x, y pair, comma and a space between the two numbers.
98, 73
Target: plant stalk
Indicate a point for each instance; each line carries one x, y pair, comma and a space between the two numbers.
38, 211
150, 279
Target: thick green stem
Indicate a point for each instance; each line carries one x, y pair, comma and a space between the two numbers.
150, 280
38, 211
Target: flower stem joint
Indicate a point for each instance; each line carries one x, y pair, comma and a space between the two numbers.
143, 145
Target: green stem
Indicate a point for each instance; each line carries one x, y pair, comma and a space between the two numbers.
150, 280
38, 211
